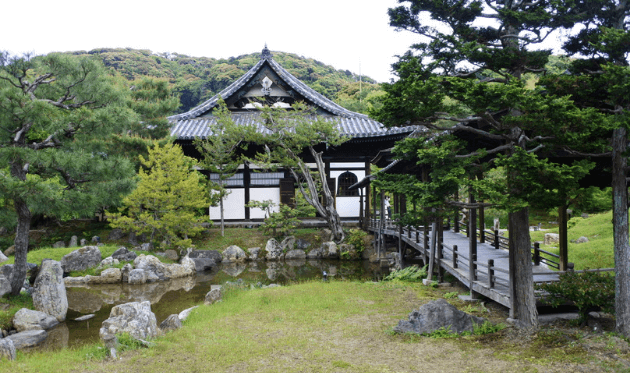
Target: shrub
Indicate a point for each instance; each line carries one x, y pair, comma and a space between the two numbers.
410, 274
589, 291
281, 223
357, 238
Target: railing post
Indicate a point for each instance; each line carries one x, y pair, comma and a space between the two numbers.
536, 253
497, 244
440, 248
491, 273
409, 232
473, 266
417, 235
455, 256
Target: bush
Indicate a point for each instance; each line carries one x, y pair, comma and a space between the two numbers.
281, 223
410, 274
589, 291
358, 238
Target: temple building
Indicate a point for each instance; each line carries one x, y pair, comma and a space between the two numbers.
269, 82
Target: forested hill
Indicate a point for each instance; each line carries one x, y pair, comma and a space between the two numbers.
196, 79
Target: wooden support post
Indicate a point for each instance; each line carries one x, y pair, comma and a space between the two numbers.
381, 243
456, 215
368, 198
482, 225
497, 243
426, 242
440, 241
417, 235
491, 273
472, 244
563, 261
455, 256
536, 253
246, 185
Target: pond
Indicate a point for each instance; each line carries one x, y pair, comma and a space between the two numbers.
174, 296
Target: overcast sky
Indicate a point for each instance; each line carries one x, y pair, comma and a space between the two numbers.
348, 34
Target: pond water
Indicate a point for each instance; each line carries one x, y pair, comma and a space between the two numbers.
174, 296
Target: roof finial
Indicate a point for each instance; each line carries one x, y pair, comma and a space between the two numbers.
266, 54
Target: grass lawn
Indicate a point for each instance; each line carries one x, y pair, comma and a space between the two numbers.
337, 326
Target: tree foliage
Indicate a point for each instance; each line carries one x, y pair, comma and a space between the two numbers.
167, 199
57, 115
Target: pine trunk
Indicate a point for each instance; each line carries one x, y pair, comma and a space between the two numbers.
521, 279
620, 231
21, 245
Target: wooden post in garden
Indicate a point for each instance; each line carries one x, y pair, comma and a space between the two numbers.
482, 217
563, 261
368, 198
472, 244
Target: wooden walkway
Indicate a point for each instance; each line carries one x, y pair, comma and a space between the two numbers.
490, 273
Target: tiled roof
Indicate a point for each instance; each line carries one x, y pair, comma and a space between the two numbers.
355, 125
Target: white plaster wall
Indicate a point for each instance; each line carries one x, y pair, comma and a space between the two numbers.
348, 207
262, 194
233, 206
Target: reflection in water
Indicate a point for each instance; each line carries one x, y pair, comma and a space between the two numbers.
176, 295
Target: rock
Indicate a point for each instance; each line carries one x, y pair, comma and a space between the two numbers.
137, 276
5, 285
253, 253
108, 262
317, 253
59, 244
326, 235
3, 258
552, 238
96, 239
581, 240
10, 250
116, 234
202, 264
435, 315
124, 272
329, 250
213, 296
147, 246
73, 281
347, 251
57, 337
81, 259
7, 349
288, 243
274, 250
49, 294
3, 231
28, 338
185, 313
26, 319
295, 254
108, 276
124, 255
152, 266
186, 267
301, 244
584, 215
134, 318
171, 255
210, 254
234, 254
84, 318
73, 241
83, 242
171, 323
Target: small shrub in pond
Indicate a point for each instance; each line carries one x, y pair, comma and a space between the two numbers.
357, 238
410, 274
589, 291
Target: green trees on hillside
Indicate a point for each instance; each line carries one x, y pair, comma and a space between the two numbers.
57, 115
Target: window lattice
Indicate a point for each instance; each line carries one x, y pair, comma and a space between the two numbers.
345, 180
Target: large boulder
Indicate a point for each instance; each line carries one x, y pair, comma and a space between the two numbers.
7, 349
288, 243
274, 250
435, 315
209, 254
81, 259
108, 276
330, 250
134, 318
49, 293
185, 313
108, 262
348, 252
186, 267
137, 276
253, 253
153, 266
29, 338
171, 323
213, 296
26, 319
552, 238
73, 241
203, 264
316, 253
124, 255
301, 244
234, 254
295, 254
171, 255
3, 258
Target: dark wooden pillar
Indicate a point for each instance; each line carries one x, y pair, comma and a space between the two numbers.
368, 200
246, 185
482, 219
562, 233
472, 245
